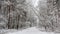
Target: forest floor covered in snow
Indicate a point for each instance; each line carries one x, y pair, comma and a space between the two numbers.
32, 30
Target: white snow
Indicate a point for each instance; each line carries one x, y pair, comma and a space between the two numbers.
32, 30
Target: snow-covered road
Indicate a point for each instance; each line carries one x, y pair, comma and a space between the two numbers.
32, 30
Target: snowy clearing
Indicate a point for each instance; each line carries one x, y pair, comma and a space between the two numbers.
32, 30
